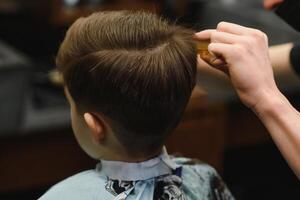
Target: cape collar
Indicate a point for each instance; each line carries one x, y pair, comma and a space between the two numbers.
158, 166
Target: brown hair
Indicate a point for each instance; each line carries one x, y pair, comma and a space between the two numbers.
135, 68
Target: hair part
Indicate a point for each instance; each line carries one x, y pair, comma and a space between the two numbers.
133, 67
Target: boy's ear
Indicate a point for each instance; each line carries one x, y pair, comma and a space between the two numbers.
96, 125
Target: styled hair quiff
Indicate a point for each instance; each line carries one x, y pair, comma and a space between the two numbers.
135, 68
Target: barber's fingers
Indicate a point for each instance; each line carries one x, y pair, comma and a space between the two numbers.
216, 60
237, 29
218, 37
224, 27
220, 49
230, 28
204, 35
223, 37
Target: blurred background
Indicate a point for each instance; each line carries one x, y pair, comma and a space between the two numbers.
37, 148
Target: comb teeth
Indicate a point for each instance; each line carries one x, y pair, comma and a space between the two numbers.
208, 57
202, 48
202, 45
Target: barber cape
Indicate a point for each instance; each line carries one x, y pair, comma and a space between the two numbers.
160, 178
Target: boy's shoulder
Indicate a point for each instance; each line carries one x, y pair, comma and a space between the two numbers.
196, 167
84, 185
202, 180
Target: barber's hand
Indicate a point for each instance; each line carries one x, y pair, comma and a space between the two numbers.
245, 51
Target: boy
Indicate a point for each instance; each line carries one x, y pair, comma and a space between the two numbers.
128, 77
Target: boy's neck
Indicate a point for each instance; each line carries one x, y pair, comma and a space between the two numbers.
125, 157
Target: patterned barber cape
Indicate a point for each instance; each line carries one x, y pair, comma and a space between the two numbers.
161, 178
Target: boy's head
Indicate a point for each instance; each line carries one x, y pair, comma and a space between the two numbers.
128, 76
